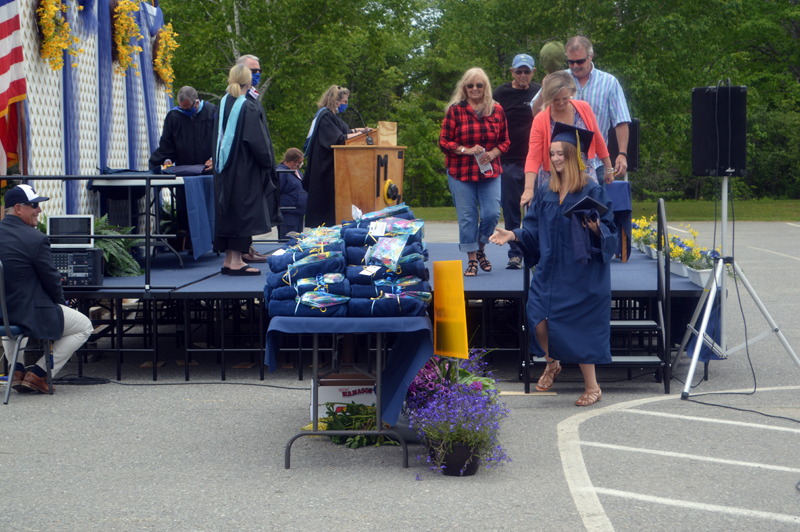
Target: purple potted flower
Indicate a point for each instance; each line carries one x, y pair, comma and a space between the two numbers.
454, 407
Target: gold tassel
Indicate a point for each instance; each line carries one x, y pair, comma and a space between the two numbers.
581, 166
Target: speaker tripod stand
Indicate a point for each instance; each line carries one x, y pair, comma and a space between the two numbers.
718, 284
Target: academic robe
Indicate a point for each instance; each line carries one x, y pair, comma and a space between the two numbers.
241, 189
273, 198
319, 177
575, 298
186, 140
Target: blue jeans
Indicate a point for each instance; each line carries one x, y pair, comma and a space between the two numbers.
478, 209
513, 184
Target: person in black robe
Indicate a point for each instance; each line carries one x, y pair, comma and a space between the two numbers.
327, 130
187, 132
244, 162
186, 140
273, 200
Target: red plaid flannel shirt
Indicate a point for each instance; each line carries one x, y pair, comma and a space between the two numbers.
462, 127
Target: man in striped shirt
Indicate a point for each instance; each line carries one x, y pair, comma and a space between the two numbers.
604, 94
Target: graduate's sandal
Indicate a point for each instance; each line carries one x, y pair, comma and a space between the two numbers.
485, 264
547, 378
244, 270
472, 269
589, 398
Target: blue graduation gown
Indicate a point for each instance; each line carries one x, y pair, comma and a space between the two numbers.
575, 298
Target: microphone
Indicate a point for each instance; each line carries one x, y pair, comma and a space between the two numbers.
369, 139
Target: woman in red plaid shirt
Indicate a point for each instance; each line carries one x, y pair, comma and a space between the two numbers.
474, 134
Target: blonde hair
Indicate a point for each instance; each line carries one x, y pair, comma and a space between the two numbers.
238, 78
331, 97
555, 83
292, 155
573, 178
474, 75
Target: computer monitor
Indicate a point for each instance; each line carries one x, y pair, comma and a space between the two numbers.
71, 231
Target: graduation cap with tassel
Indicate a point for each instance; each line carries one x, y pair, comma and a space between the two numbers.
580, 138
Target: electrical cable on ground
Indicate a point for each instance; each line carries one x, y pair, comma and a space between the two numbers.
75, 380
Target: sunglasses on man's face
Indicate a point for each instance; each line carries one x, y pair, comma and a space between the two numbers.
471, 85
521, 72
32, 205
577, 61
255, 70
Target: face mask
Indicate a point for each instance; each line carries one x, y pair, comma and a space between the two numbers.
189, 112
342, 108
256, 79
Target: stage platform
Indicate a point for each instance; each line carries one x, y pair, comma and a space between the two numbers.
201, 278
180, 301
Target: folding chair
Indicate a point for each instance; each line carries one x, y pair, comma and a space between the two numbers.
14, 333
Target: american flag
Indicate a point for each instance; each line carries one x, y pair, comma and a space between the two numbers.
12, 63
12, 80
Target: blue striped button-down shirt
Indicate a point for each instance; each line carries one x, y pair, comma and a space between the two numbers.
604, 94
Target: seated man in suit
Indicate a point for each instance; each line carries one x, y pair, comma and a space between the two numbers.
34, 296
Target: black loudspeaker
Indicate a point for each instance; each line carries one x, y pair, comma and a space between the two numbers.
719, 131
633, 145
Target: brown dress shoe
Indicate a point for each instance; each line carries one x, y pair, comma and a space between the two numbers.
35, 383
16, 382
257, 257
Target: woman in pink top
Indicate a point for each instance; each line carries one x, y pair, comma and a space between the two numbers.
557, 92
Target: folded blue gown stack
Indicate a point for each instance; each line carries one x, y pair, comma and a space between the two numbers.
336, 272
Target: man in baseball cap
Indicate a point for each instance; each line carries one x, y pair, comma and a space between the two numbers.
24, 195
33, 291
515, 98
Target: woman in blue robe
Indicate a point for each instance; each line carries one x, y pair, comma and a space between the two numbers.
569, 303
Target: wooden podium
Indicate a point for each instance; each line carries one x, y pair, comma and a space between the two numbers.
369, 176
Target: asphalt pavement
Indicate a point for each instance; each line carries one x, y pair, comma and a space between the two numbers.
209, 455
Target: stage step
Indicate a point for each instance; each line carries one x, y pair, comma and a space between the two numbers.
634, 325
632, 361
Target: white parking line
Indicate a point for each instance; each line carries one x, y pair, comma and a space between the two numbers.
676, 229
775, 253
739, 512
793, 225
696, 457
709, 420
584, 494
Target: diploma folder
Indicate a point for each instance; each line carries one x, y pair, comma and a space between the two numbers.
585, 204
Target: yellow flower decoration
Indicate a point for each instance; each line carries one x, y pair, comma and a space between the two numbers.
124, 29
163, 53
55, 33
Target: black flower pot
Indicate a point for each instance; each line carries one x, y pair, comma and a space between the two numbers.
457, 459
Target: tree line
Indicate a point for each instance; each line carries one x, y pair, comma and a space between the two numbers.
401, 60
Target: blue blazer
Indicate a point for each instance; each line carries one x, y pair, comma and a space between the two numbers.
32, 282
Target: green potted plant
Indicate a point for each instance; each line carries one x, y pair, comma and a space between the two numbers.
454, 407
117, 258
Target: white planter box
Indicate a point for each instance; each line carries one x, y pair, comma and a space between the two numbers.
699, 277
678, 269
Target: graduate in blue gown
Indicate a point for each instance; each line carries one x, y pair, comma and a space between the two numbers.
569, 303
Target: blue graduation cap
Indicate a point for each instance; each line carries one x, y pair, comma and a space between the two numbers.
580, 138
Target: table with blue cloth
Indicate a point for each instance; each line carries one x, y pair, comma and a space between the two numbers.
409, 353
199, 190
620, 194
